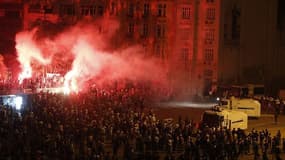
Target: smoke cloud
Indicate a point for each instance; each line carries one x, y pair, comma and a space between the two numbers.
83, 51
3, 68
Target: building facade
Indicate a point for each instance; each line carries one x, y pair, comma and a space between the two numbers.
196, 44
10, 24
252, 43
183, 34
11, 20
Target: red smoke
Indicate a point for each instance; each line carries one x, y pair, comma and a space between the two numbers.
28, 51
83, 52
3, 68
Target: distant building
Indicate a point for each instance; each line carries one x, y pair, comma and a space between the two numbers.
252, 43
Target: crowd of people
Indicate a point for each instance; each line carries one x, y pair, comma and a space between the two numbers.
119, 123
272, 105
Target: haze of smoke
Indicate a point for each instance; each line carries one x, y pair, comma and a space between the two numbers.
28, 50
86, 46
3, 68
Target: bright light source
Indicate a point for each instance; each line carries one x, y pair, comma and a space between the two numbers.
66, 90
18, 102
218, 98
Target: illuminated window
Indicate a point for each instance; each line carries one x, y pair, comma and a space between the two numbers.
211, 14
161, 10
186, 13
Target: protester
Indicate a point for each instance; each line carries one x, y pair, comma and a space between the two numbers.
118, 123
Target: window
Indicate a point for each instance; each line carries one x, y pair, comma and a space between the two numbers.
113, 6
48, 9
160, 51
131, 29
186, 13
157, 50
92, 10
131, 10
161, 10
208, 73
209, 54
184, 57
210, 36
225, 31
185, 34
12, 14
34, 8
145, 30
163, 52
145, 48
70, 10
84, 10
236, 23
210, 1
146, 10
100, 10
211, 14
160, 30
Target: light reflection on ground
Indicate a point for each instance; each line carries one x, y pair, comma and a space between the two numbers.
202, 105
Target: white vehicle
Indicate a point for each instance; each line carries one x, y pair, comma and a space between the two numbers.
255, 91
225, 118
247, 105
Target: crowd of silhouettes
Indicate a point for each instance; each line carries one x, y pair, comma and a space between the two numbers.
118, 123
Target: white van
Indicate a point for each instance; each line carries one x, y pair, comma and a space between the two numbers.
247, 105
225, 118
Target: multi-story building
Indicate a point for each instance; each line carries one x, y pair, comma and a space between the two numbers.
183, 34
10, 23
196, 44
252, 43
